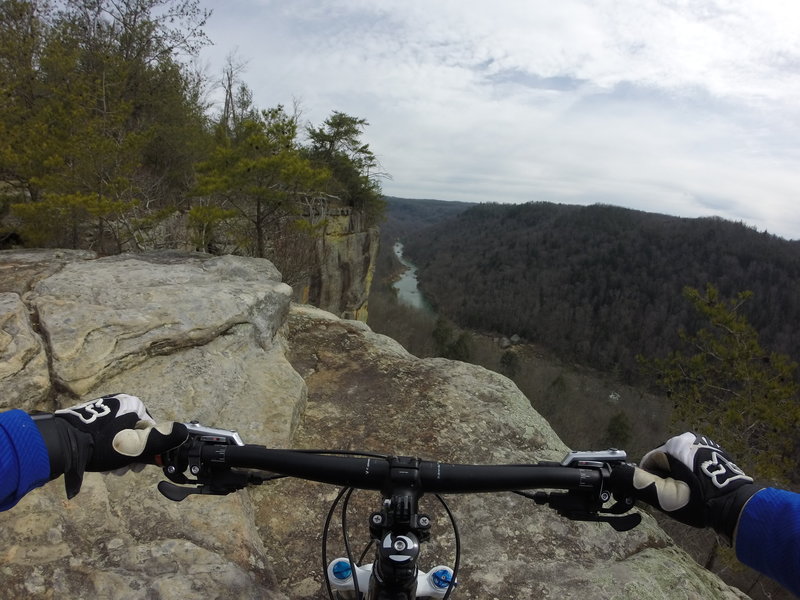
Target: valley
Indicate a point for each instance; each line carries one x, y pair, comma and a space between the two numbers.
588, 408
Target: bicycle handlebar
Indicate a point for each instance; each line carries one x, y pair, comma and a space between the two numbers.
220, 462
217, 461
433, 477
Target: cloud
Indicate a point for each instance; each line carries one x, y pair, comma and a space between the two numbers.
686, 108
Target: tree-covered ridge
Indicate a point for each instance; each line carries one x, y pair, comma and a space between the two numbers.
107, 140
405, 216
100, 120
601, 284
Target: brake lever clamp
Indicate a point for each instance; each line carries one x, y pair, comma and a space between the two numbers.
595, 458
190, 464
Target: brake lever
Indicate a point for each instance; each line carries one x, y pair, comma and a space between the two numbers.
621, 523
234, 482
585, 506
185, 465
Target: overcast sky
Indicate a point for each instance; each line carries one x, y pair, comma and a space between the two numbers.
684, 107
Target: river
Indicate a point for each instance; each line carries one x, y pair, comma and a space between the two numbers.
407, 286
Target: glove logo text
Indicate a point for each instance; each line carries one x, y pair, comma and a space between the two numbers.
89, 412
722, 471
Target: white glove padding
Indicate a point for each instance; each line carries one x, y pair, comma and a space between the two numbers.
133, 442
692, 479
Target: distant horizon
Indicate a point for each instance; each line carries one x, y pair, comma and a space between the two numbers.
651, 212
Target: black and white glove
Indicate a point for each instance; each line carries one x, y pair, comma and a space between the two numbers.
691, 479
112, 433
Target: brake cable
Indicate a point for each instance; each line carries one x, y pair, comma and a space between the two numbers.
346, 539
452, 583
325, 530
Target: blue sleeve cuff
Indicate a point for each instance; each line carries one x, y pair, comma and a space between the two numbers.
24, 462
768, 536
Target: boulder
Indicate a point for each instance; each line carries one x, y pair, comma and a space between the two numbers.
107, 316
24, 374
195, 337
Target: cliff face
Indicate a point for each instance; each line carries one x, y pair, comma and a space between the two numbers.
346, 254
216, 339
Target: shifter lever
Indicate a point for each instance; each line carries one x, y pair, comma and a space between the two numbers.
176, 493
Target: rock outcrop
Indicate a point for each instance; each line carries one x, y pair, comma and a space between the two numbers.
343, 282
216, 339
346, 256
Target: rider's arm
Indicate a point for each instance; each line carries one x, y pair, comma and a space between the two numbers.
768, 536
24, 462
110, 433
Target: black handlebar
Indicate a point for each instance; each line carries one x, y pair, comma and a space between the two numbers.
221, 463
431, 477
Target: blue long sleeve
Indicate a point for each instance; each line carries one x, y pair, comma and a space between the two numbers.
768, 536
24, 463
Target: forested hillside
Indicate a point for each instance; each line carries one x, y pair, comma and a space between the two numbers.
601, 284
405, 215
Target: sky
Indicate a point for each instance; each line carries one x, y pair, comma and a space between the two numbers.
684, 107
